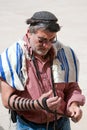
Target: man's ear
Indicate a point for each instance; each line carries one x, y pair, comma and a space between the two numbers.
28, 33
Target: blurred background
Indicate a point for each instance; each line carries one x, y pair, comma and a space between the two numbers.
72, 16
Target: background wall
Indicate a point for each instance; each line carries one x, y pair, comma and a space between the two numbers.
72, 15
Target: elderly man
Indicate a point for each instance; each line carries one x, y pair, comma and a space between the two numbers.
39, 78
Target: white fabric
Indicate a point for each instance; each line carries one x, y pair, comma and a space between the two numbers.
65, 66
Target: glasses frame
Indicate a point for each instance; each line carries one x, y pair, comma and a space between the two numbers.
43, 40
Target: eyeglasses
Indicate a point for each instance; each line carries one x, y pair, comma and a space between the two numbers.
43, 40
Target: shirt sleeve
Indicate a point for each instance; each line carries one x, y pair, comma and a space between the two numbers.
74, 93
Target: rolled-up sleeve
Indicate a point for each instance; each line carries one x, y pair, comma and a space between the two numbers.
73, 93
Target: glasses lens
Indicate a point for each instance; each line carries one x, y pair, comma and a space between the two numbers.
44, 40
54, 40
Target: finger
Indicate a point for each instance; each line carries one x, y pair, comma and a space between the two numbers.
77, 116
72, 114
48, 94
74, 120
55, 104
77, 112
70, 111
52, 99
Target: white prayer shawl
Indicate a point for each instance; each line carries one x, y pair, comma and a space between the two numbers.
13, 65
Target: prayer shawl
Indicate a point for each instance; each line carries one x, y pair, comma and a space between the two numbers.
13, 65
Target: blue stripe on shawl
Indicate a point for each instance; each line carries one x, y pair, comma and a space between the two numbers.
64, 66
10, 68
74, 59
2, 70
18, 58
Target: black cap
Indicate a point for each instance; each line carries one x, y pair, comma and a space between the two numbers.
42, 17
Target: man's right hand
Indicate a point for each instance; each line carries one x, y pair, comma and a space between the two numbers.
53, 103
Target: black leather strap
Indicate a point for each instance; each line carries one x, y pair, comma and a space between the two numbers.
40, 104
33, 106
9, 99
45, 105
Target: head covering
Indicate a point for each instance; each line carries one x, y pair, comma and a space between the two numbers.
46, 18
42, 17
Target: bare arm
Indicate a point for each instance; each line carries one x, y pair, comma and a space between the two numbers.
6, 91
15, 102
10, 99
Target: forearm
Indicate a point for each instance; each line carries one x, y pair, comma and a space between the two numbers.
18, 103
12, 100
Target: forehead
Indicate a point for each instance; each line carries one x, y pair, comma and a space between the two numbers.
45, 33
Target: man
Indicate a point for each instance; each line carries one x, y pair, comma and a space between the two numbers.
39, 78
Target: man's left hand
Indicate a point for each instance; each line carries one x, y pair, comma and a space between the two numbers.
75, 112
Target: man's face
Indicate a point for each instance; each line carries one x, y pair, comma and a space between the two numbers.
42, 41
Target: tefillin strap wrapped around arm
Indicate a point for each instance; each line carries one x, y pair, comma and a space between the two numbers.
16, 102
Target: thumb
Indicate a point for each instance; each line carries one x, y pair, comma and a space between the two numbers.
48, 94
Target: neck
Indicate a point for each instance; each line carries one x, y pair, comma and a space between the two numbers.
41, 57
